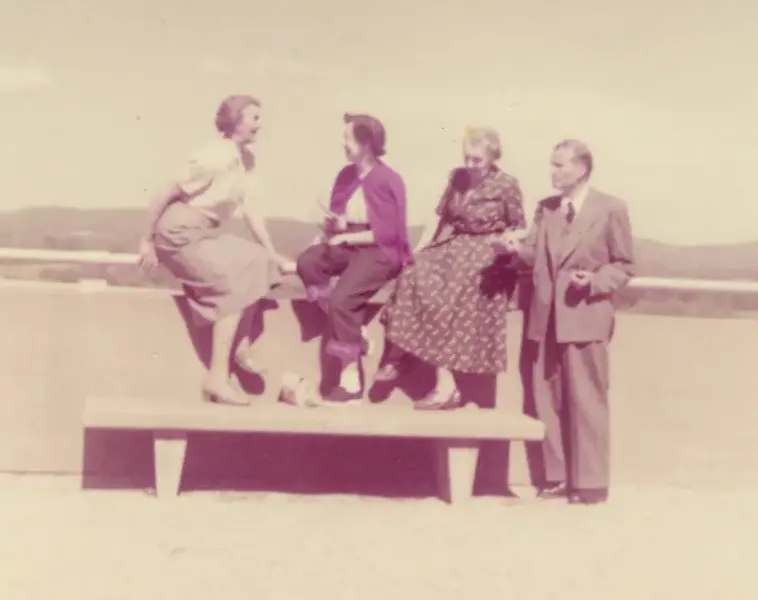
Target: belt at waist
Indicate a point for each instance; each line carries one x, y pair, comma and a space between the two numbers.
478, 233
354, 227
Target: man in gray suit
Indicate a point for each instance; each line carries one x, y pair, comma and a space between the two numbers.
580, 249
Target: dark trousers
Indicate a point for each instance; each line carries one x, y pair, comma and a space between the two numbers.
362, 271
571, 396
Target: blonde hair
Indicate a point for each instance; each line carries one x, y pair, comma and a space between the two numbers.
484, 136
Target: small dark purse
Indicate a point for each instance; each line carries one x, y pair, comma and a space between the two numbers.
460, 182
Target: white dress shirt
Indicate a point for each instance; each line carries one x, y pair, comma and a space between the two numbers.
577, 198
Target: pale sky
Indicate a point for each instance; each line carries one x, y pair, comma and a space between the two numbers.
101, 100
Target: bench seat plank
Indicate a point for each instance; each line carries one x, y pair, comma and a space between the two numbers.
270, 417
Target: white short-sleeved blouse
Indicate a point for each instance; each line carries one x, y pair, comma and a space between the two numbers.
216, 180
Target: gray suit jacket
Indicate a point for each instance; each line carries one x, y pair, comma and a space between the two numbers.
600, 241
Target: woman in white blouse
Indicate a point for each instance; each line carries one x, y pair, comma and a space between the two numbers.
222, 274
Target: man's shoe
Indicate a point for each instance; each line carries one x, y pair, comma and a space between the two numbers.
589, 496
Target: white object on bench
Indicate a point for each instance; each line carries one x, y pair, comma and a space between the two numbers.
457, 432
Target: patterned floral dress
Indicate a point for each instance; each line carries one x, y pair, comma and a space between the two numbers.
449, 308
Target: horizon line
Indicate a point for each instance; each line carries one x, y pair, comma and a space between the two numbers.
42, 207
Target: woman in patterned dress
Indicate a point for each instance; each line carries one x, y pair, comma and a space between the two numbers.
222, 274
449, 308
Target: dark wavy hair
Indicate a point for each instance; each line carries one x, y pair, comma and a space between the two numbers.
230, 111
368, 132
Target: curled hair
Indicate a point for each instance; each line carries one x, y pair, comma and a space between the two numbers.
487, 137
230, 111
368, 132
581, 152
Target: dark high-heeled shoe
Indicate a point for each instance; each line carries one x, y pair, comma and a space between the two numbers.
387, 373
223, 393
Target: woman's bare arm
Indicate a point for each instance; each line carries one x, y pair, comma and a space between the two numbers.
160, 200
258, 226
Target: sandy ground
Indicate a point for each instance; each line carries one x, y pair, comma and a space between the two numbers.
684, 414
57, 542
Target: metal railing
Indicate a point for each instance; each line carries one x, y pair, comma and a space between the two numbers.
116, 258
69, 256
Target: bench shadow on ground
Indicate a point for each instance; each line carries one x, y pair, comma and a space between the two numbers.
298, 464
381, 467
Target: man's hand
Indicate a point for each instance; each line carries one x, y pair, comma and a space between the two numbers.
509, 243
506, 247
581, 279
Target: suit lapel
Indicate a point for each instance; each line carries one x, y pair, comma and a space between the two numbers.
590, 211
551, 230
554, 224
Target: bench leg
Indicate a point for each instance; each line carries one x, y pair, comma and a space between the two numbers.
170, 448
456, 469
519, 470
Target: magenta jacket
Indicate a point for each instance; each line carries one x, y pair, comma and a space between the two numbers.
384, 191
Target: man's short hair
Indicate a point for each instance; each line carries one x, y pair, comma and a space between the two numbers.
581, 152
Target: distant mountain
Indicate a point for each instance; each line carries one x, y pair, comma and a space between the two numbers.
118, 230
716, 261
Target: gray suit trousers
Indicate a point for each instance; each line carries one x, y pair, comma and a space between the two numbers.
570, 383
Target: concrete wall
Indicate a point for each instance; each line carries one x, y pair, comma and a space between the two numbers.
683, 397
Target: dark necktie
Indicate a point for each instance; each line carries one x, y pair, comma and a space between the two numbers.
570, 212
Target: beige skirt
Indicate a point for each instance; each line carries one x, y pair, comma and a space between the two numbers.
220, 272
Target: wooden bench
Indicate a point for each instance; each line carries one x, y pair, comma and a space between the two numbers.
457, 433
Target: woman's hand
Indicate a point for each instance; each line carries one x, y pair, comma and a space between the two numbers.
336, 223
332, 220
148, 259
286, 266
319, 239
